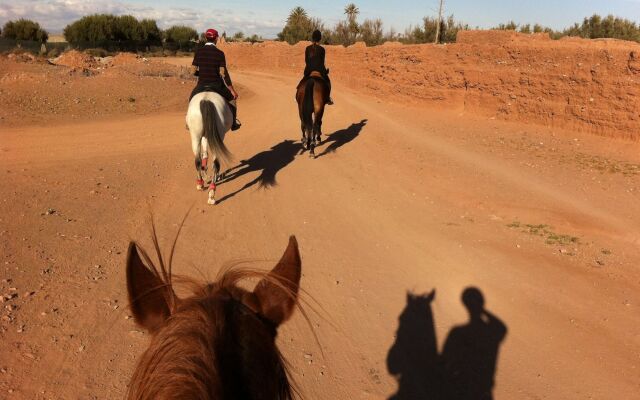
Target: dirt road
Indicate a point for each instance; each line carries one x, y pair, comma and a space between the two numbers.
401, 200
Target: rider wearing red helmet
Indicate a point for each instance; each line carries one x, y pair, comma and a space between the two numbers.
213, 75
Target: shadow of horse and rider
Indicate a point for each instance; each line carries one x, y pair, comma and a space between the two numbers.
464, 370
269, 162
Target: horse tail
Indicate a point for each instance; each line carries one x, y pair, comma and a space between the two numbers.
211, 131
307, 105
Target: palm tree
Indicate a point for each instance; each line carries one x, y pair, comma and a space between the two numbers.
297, 14
352, 12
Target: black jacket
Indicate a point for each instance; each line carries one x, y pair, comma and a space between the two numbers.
314, 60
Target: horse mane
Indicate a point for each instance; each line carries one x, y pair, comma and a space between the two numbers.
188, 338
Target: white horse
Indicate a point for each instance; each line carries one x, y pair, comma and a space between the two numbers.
208, 120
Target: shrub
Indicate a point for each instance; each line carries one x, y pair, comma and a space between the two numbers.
596, 27
426, 33
371, 32
180, 34
99, 28
24, 29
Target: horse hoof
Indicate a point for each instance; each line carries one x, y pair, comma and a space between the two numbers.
199, 188
212, 199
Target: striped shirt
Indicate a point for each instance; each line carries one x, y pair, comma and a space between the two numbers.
211, 65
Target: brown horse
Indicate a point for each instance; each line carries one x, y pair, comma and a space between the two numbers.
311, 95
219, 343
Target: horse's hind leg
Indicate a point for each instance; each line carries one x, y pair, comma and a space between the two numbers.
204, 154
317, 123
217, 175
311, 143
199, 177
304, 136
212, 193
195, 146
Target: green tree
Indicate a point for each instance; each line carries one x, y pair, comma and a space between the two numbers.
255, 39
371, 32
127, 28
150, 30
352, 11
525, 28
299, 26
180, 34
596, 27
24, 29
510, 26
426, 33
98, 28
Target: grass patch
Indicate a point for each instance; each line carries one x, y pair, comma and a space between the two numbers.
545, 231
605, 165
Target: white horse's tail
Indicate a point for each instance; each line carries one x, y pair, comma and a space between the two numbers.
211, 131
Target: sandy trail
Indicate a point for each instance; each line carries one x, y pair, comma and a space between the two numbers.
400, 200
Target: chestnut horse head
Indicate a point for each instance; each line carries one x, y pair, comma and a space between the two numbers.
217, 343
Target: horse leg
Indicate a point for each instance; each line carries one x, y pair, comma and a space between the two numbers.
317, 127
319, 113
212, 193
204, 153
217, 175
304, 136
195, 146
311, 144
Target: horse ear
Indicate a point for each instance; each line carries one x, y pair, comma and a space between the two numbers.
147, 293
277, 294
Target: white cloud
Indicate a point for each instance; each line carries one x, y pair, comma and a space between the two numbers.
54, 15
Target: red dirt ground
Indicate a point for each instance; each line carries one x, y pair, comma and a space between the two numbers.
407, 196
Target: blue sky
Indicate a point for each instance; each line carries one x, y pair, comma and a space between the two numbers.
267, 17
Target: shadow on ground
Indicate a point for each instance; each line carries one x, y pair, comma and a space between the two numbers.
465, 369
268, 163
271, 161
342, 137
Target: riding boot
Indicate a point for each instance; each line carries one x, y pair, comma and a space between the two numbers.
234, 111
329, 99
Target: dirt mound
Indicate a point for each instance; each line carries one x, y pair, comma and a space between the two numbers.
22, 57
77, 60
80, 87
125, 59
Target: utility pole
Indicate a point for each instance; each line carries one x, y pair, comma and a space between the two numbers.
439, 23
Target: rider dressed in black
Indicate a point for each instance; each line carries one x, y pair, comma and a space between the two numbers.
314, 56
213, 75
